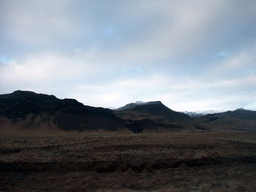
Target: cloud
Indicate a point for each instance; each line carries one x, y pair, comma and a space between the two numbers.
153, 30
177, 93
36, 22
196, 54
46, 70
120, 91
82, 75
240, 65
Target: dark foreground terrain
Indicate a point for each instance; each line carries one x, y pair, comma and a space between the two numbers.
101, 161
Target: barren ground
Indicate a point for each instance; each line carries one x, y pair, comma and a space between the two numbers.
103, 161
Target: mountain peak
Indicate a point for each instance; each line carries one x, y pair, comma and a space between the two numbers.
155, 102
240, 109
138, 103
151, 109
22, 94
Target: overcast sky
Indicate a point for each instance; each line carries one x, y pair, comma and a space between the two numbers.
191, 55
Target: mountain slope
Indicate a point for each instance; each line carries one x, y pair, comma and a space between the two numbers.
238, 120
27, 109
148, 116
153, 110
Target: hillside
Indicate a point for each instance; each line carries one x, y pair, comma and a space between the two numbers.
237, 120
25, 110
153, 109
153, 115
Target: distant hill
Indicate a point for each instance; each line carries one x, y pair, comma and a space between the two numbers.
238, 120
238, 114
153, 115
131, 105
27, 110
242, 114
201, 113
153, 109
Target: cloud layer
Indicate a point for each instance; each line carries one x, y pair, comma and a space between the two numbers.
191, 55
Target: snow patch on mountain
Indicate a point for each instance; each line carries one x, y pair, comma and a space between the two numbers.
201, 113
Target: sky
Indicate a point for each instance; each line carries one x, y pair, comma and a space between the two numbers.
190, 55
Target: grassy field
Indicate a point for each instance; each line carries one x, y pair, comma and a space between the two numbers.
108, 161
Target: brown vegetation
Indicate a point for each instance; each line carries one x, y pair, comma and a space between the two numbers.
114, 161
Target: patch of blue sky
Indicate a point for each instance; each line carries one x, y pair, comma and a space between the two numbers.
4, 59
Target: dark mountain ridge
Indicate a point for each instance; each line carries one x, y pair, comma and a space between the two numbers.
153, 109
22, 103
29, 110
239, 119
130, 105
67, 114
153, 115
242, 114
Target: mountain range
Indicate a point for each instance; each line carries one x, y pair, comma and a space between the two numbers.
29, 110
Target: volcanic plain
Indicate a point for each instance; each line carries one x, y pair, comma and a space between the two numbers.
125, 161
